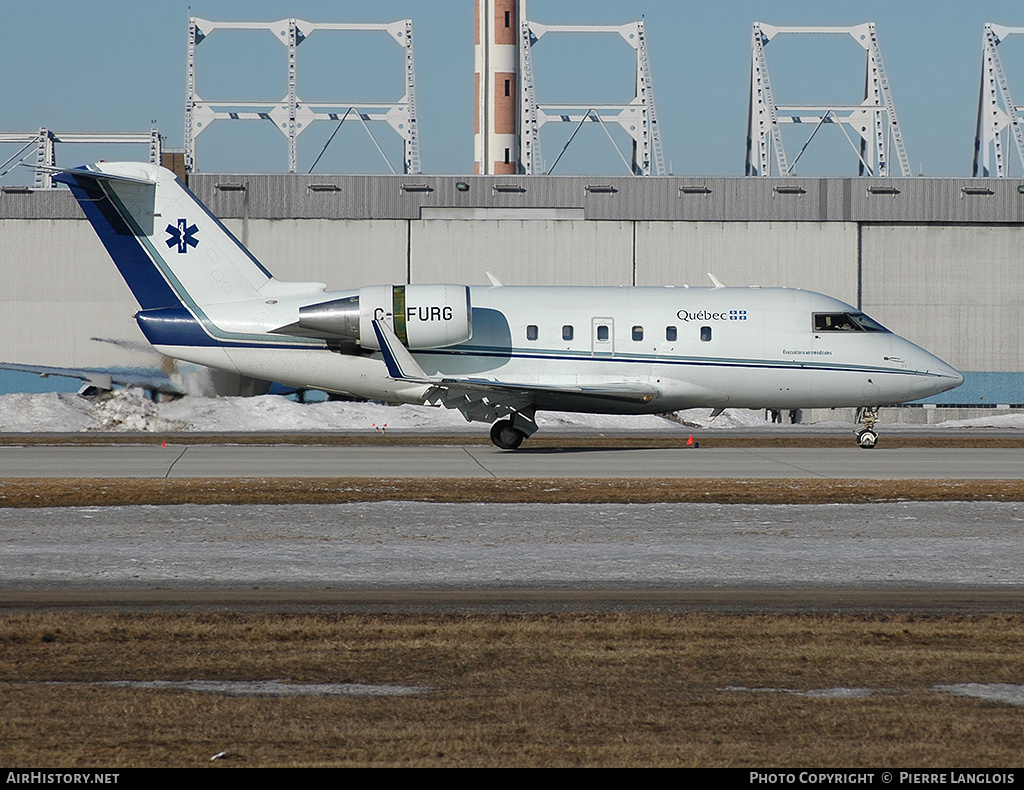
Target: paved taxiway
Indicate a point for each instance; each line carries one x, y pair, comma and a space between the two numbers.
921, 557
204, 461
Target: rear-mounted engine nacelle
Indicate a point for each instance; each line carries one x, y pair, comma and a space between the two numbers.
422, 316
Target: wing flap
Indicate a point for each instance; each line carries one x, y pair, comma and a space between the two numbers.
624, 392
486, 400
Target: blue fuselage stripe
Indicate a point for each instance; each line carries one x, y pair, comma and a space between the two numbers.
183, 335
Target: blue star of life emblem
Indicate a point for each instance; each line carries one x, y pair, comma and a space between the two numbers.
182, 236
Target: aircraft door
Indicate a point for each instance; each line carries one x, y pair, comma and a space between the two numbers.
603, 337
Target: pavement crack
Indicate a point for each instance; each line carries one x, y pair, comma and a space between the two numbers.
477, 461
171, 467
776, 460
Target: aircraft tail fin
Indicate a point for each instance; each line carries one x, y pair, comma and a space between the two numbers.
166, 244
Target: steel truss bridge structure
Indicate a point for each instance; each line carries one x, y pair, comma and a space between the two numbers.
637, 117
873, 122
998, 115
291, 115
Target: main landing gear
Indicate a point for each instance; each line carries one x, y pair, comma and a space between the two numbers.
867, 437
508, 433
506, 436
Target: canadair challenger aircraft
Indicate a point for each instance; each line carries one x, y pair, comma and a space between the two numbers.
498, 354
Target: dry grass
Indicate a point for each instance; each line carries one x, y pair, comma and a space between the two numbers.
323, 490
543, 690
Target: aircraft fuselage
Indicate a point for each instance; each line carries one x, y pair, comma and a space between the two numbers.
715, 347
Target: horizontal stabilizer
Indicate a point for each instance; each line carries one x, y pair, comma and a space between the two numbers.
104, 380
62, 175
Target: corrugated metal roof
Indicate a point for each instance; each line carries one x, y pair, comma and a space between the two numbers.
38, 204
915, 200
890, 200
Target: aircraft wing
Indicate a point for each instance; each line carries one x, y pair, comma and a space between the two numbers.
96, 381
486, 400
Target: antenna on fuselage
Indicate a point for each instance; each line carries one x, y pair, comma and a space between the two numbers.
715, 281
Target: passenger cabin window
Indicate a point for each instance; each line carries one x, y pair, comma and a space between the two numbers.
705, 333
638, 333
567, 332
846, 322
531, 332
671, 334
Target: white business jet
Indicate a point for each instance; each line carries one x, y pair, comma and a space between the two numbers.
498, 354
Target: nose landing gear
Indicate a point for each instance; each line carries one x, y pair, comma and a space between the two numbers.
867, 437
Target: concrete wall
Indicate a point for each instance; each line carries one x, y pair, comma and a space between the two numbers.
342, 253
957, 290
58, 290
522, 252
817, 256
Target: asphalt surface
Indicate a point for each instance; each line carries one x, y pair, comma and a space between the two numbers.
937, 558
205, 461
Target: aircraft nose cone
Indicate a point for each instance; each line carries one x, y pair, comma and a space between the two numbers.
956, 377
939, 377
953, 377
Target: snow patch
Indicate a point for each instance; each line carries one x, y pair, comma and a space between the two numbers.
129, 410
48, 411
730, 418
832, 693
1013, 420
270, 688
1010, 693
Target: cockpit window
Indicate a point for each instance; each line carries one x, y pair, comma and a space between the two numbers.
846, 322
867, 323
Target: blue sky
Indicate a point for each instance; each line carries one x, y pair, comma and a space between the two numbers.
119, 64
